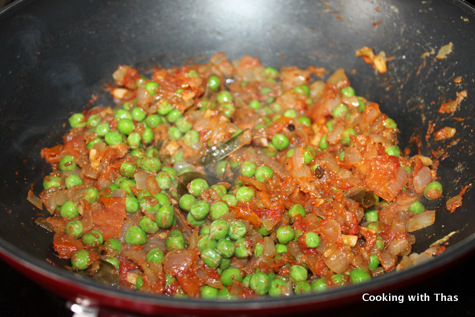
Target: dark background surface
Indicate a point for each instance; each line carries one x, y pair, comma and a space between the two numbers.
21, 297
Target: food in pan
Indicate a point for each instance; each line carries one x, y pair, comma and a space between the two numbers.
233, 180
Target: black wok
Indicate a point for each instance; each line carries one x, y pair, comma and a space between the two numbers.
56, 54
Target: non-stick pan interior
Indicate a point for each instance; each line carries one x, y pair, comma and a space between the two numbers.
55, 55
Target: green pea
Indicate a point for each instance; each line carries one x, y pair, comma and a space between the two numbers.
340, 111
263, 231
91, 144
371, 215
138, 114
242, 249
225, 247
93, 121
77, 120
91, 194
312, 240
245, 193
390, 123
153, 120
228, 109
295, 210
265, 90
197, 186
113, 245
230, 199
69, 210
164, 180
155, 255
379, 243
285, 234
199, 209
149, 204
134, 140
186, 201
433, 190
319, 284
248, 168
151, 87
346, 136
150, 164
211, 257
162, 199
264, 172
93, 238
279, 287
338, 279
290, 113
165, 216
128, 169
224, 96
113, 137
81, 260
51, 182
219, 189
148, 225
308, 155
102, 129
192, 73
207, 243
416, 207
114, 261
191, 137
67, 163
218, 209
174, 115
131, 204
305, 121
209, 292
373, 262
139, 282
290, 152
347, 91
302, 89
260, 283
219, 229
255, 104
271, 72
175, 240
74, 227
122, 114
183, 125
237, 229
214, 83
125, 126
302, 287
280, 141
164, 108
135, 235
230, 275
323, 144
298, 273
393, 150
147, 136
359, 275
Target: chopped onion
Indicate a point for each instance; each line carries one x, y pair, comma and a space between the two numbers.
141, 180
421, 220
422, 178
